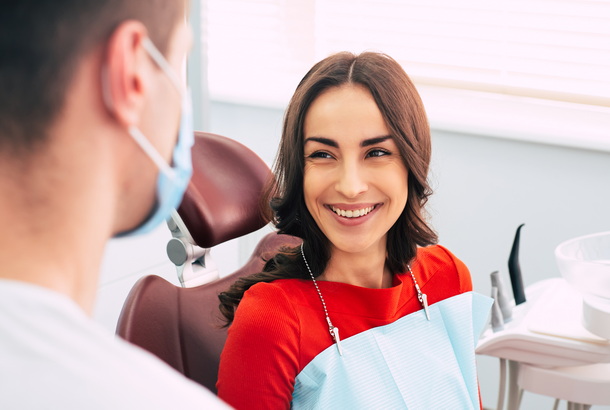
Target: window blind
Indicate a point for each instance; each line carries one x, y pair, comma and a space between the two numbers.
258, 50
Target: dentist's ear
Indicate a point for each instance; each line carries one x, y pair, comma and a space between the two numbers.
125, 73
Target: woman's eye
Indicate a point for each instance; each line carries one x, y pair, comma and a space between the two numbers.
377, 153
320, 154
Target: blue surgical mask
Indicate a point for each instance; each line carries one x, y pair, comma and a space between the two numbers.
173, 179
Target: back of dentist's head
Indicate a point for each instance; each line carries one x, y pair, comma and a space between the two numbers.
41, 42
83, 76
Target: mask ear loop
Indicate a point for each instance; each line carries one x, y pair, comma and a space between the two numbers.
162, 63
133, 130
151, 151
160, 60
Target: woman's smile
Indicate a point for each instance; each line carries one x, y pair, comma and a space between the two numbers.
355, 214
351, 211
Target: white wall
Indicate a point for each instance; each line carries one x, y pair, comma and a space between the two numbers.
125, 261
484, 188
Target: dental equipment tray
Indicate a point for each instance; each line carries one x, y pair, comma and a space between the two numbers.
547, 330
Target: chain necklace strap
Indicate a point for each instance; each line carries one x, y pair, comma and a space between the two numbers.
422, 297
333, 330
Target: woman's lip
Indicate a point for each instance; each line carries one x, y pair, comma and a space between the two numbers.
353, 221
352, 207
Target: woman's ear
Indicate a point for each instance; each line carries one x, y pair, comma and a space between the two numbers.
125, 73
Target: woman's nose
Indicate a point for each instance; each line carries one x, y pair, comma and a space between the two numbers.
351, 180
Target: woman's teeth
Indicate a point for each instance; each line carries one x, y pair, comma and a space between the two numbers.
352, 213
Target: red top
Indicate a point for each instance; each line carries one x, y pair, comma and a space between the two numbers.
280, 327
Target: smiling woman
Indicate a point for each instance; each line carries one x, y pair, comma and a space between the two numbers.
351, 181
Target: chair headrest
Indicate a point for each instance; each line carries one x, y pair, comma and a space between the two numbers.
222, 201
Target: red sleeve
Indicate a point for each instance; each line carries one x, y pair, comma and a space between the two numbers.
260, 359
440, 273
463, 274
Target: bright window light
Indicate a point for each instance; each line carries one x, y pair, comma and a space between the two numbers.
258, 50
532, 70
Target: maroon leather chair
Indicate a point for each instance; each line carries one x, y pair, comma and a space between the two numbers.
182, 326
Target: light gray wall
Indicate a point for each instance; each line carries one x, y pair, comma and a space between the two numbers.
486, 187
258, 128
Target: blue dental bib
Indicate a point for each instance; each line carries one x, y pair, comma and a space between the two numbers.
412, 363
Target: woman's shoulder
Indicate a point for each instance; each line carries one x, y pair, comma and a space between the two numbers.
437, 254
435, 260
277, 288
268, 309
278, 295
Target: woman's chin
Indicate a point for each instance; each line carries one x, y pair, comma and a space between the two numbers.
356, 247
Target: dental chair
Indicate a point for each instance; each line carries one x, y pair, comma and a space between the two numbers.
181, 325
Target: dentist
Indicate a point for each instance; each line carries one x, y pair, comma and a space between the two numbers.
95, 138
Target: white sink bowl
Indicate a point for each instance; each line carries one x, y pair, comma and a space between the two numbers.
584, 262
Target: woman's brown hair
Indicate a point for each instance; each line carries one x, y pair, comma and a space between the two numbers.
404, 114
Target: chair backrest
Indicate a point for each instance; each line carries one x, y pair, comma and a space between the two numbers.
182, 326
222, 201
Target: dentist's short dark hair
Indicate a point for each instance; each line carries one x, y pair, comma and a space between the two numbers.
41, 42
405, 117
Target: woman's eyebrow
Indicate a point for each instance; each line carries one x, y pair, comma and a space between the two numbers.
373, 141
325, 141
333, 143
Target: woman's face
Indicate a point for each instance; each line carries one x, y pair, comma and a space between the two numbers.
355, 182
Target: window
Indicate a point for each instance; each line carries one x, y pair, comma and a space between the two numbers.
550, 50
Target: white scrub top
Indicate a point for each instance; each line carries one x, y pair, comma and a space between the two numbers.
52, 356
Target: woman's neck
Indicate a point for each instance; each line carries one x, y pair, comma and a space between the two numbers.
366, 269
